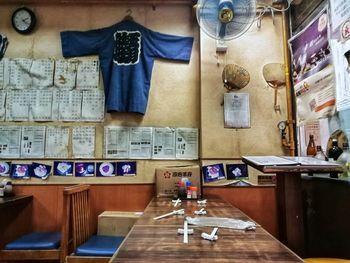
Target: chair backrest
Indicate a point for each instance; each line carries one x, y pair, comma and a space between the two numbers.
76, 215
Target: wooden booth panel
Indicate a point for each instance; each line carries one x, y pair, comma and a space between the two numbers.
259, 203
47, 202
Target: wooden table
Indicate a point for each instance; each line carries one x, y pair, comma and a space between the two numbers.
289, 202
157, 240
11, 201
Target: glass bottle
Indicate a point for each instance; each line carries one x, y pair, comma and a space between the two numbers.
319, 154
335, 151
344, 159
311, 148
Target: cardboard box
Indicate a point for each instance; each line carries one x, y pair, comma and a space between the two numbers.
116, 223
167, 179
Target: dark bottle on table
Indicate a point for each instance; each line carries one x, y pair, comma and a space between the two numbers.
335, 151
311, 147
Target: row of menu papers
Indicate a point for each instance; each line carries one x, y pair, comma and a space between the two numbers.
46, 142
150, 143
24, 73
52, 105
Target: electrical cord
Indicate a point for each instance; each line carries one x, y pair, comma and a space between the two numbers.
266, 7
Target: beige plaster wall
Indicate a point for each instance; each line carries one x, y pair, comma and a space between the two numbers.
173, 99
181, 95
252, 51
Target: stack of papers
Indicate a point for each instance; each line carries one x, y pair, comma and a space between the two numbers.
286, 160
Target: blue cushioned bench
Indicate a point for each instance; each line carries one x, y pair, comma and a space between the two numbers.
99, 246
36, 241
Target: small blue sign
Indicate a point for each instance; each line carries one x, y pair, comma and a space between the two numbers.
126, 168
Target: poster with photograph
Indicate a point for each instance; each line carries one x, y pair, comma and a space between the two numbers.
62, 168
213, 172
39, 170
126, 168
5, 168
236, 171
84, 169
312, 70
310, 48
105, 169
20, 171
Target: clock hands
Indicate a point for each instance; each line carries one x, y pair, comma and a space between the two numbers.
26, 21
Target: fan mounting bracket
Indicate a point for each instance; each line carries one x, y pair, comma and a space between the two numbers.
221, 46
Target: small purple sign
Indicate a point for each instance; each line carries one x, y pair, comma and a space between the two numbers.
126, 168
39, 170
5, 168
62, 168
20, 171
105, 169
213, 172
84, 169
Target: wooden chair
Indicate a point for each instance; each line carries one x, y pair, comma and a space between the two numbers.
87, 248
42, 245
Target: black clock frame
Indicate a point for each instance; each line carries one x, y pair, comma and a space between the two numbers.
32, 23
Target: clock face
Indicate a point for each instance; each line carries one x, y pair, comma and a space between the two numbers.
23, 20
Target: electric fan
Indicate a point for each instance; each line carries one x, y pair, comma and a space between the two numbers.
225, 19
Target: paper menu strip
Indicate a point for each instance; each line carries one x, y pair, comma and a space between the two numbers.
40, 108
41, 72
10, 138
17, 106
87, 74
33, 141
186, 143
116, 142
163, 143
83, 142
93, 105
57, 142
65, 74
140, 144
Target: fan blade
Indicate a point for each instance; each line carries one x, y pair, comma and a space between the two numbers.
222, 31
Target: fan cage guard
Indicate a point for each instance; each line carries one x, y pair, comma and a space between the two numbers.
207, 14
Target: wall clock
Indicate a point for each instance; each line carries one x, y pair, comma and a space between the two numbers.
23, 20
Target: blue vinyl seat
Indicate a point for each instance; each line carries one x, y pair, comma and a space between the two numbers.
99, 246
36, 241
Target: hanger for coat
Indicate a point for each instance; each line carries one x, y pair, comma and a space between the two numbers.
128, 15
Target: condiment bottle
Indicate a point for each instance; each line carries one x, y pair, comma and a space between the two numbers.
181, 191
334, 152
194, 192
311, 148
319, 154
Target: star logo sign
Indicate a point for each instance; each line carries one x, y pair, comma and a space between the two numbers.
167, 175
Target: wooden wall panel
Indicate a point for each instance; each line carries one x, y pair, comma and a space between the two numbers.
259, 203
47, 202
46, 205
